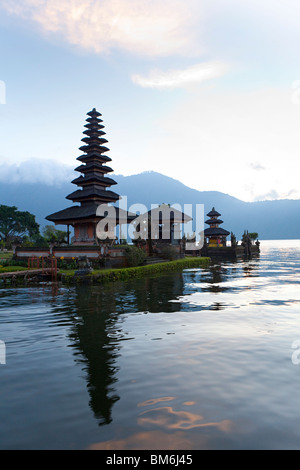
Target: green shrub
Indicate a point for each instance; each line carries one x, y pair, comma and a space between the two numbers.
67, 263
98, 263
14, 262
169, 252
134, 256
123, 274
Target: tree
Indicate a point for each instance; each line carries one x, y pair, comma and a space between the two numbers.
14, 224
233, 239
53, 235
37, 240
253, 236
248, 238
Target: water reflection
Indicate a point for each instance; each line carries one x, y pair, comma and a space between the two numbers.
169, 418
168, 429
220, 376
151, 440
99, 312
97, 334
96, 339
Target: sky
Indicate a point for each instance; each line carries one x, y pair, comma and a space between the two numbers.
205, 92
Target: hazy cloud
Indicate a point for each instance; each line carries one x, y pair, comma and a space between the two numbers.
274, 194
148, 27
49, 172
181, 78
270, 195
256, 166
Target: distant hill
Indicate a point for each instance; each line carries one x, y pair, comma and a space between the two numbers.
271, 219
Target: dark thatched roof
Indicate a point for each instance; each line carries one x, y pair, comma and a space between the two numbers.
94, 113
92, 147
213, 213
94, 156
81, 195
214, 221
164, 211
216, 232
94, 140
85, 212
94, 178
93, 166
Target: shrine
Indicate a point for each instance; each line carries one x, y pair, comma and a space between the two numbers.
161, 227
215, 235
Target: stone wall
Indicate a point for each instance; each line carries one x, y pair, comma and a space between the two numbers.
114, 256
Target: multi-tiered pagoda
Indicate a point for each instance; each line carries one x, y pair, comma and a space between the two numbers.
95, 186
215, 234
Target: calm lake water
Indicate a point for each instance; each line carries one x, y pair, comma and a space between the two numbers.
204, 359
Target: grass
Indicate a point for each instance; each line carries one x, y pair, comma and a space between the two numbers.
123, 274
10, 269
5, 255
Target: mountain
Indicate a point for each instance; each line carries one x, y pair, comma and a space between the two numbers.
268, 218
278, 219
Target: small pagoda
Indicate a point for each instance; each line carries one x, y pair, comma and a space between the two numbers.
95, 186
215, 236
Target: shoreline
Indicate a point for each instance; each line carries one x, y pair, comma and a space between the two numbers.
124, 274
22, 277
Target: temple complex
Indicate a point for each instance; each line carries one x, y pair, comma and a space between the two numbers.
215, 235
95, 216
95, 186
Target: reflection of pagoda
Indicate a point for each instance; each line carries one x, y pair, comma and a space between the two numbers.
94, 184
215, 234
97, 334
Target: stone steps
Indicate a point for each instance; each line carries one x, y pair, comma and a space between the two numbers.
153, 260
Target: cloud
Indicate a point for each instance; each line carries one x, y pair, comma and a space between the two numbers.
146, 27
256, 166
212, 136
274, 194
269, 196
181, 78
49, 172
